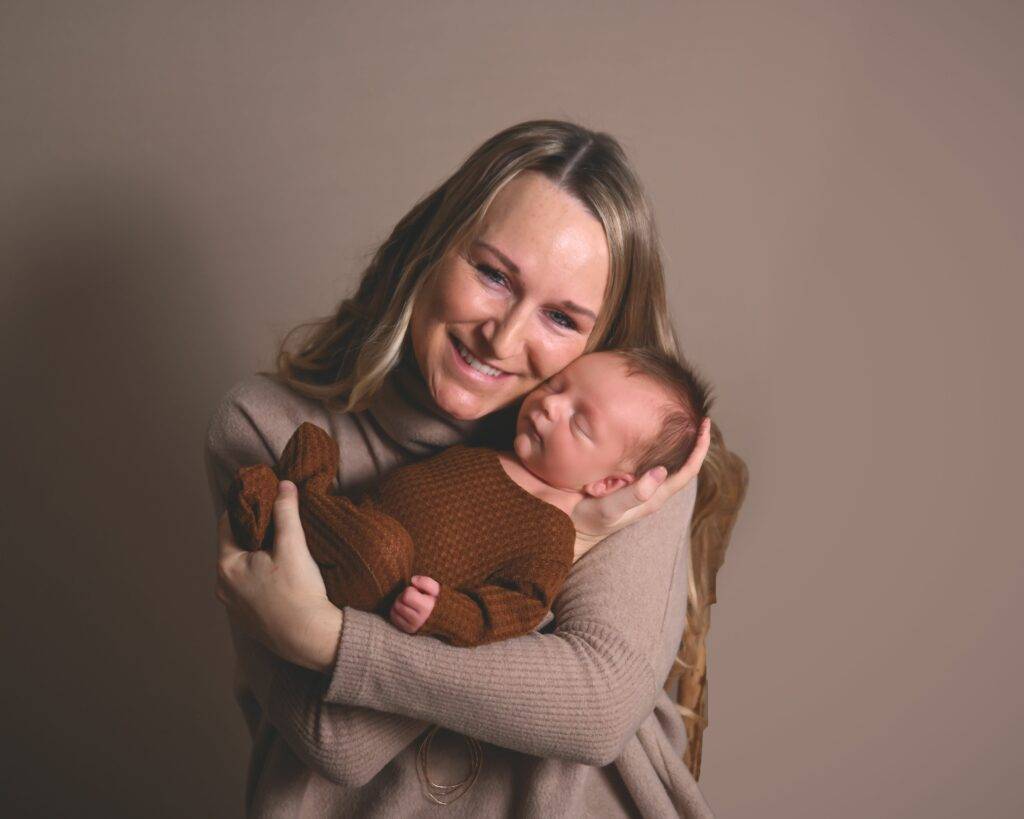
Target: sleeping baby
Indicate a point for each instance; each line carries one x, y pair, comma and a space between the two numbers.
472, 545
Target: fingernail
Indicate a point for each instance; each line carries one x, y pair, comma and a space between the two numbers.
285, 486
659, 473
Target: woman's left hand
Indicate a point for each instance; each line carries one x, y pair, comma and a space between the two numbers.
278, 596
596, 518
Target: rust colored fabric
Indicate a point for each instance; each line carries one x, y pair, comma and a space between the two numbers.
499, 554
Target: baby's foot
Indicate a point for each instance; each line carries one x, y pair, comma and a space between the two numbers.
310, 458
251, 505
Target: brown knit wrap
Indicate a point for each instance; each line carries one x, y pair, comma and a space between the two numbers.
499, 554
364, 555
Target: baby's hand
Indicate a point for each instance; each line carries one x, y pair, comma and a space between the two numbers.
413, 606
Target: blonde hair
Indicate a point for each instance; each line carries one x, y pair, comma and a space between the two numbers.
344, 358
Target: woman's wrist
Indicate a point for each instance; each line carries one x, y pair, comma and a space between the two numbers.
318, 647
324, 637
584, 543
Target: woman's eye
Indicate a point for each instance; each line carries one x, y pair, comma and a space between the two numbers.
494, 275
562, 320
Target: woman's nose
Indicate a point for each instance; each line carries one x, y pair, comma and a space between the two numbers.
506, 333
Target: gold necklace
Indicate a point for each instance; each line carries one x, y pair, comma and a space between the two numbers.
446, 794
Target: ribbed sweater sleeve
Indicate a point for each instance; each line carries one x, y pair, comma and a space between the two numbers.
346, 744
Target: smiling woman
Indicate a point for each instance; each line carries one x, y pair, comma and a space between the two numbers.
539, 248
491, 329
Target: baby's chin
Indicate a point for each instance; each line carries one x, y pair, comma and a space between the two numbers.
522, 445
530, 455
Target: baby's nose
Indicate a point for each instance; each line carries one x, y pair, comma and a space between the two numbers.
553, 406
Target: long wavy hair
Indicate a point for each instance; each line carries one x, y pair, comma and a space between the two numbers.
343, 359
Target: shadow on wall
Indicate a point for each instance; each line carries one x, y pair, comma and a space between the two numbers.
118, 694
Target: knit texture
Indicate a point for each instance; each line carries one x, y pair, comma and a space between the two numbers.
572, 717
365, 556
499, 554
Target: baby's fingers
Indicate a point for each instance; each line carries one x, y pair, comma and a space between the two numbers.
691, 468
399, 620
416, 600
614, 506
700, 451
427, 585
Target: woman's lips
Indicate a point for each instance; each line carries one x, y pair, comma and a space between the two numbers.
470, 372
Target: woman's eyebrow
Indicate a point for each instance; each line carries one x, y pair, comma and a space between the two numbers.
505, 260
576, 308
568, 304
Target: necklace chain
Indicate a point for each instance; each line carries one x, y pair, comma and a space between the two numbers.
446, 794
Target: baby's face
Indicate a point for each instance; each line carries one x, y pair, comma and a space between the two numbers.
575, 430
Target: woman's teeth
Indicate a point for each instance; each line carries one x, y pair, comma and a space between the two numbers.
479, 366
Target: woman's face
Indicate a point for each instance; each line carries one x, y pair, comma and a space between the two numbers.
517, 305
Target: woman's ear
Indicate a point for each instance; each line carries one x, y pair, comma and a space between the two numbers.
609, 484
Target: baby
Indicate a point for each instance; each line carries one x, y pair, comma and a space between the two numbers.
472, 545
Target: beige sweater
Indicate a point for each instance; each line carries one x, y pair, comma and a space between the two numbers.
572, 718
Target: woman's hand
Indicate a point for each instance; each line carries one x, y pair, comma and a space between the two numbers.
596, 518
278, 596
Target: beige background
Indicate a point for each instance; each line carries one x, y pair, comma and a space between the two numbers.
839, 190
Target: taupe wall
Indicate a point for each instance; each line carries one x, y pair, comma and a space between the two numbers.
839, 191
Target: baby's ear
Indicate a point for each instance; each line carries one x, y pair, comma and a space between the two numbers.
605, 486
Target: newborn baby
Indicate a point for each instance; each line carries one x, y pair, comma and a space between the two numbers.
472, 545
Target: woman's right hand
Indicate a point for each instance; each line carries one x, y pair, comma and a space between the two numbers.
596, 518
278, 595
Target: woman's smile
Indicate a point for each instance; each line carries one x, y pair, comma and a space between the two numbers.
472, 366
486, 329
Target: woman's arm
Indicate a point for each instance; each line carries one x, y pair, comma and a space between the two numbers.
578, 693
346, 744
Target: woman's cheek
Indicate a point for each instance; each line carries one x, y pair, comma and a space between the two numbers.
558, 356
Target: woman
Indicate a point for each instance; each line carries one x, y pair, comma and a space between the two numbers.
539, 248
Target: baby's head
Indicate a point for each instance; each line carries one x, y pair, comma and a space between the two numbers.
608, 417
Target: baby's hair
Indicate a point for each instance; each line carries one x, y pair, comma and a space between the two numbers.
688, 401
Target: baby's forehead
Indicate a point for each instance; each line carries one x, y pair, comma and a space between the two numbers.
605, 361
615, 369
633, 396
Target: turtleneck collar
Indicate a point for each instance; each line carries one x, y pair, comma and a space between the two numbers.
405, 410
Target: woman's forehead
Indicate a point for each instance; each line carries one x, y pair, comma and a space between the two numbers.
540, 228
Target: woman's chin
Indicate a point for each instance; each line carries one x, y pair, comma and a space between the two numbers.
466, 415
463, 405
460, 402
